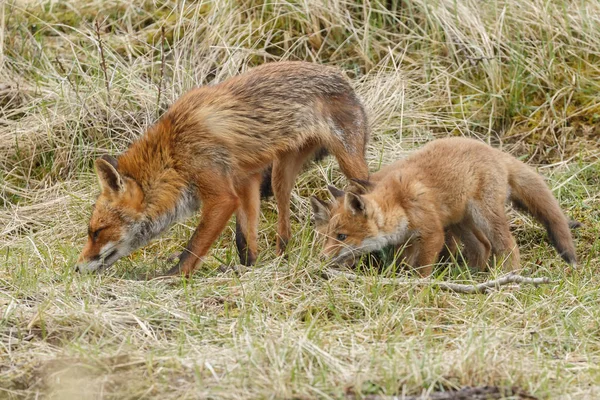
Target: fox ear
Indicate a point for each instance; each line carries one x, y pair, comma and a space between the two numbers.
321, 211
360, 186
355, 204
108, 176
335, 192
111, 160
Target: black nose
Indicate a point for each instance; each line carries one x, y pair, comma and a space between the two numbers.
77, 268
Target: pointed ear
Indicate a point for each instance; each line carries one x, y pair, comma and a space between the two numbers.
355, 204
335, 192
360, 186
108, 176
111, 160
321, 211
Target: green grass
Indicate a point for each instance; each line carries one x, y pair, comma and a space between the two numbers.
520, 74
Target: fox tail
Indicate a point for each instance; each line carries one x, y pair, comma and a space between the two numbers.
530, 192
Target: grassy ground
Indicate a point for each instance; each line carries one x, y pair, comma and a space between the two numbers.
79, 79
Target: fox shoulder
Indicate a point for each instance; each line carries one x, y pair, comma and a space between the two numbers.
403, 189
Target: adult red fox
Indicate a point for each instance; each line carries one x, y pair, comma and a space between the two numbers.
456, 184
211, 148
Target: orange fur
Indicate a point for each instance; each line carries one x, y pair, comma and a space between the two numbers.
212, 145
456, 184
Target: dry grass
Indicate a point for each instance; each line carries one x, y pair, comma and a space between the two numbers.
522, 74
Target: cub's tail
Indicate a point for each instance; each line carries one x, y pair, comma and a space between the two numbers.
530, 192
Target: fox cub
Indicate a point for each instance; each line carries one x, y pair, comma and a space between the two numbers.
211, 148
451, 190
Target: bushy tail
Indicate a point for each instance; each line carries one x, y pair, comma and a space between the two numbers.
530, 192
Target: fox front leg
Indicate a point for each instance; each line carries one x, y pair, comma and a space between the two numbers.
216, 212
427, 250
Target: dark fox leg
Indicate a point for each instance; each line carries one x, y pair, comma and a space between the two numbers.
266, 188
451, 244
246, 221
423, 251
285, 169
477, 247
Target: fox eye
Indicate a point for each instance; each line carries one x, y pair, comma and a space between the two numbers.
95, 234
341, 237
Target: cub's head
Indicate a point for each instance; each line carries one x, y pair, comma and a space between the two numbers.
115, 225
351, 224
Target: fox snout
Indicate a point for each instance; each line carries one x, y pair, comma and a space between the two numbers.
93, 260
82, 263
347, 260
96, 263
327, 253
334, 254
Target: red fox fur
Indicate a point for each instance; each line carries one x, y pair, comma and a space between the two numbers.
455, 185
211, 148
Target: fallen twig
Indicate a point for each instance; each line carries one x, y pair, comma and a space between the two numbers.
466, 393
484, 287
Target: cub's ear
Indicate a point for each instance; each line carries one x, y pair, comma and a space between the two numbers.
360, 186
321, 211
335, 192
111, 160
108, 176
355, 204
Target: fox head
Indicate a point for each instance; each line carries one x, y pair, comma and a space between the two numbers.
116, 222
354, 224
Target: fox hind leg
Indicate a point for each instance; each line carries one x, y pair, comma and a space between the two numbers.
451, 245
477, 247
246, 221
492, 221
285, 170
504, 245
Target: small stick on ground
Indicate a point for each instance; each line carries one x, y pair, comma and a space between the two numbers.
481, 288
470, 393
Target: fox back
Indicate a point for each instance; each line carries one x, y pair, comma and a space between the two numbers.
211, 147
